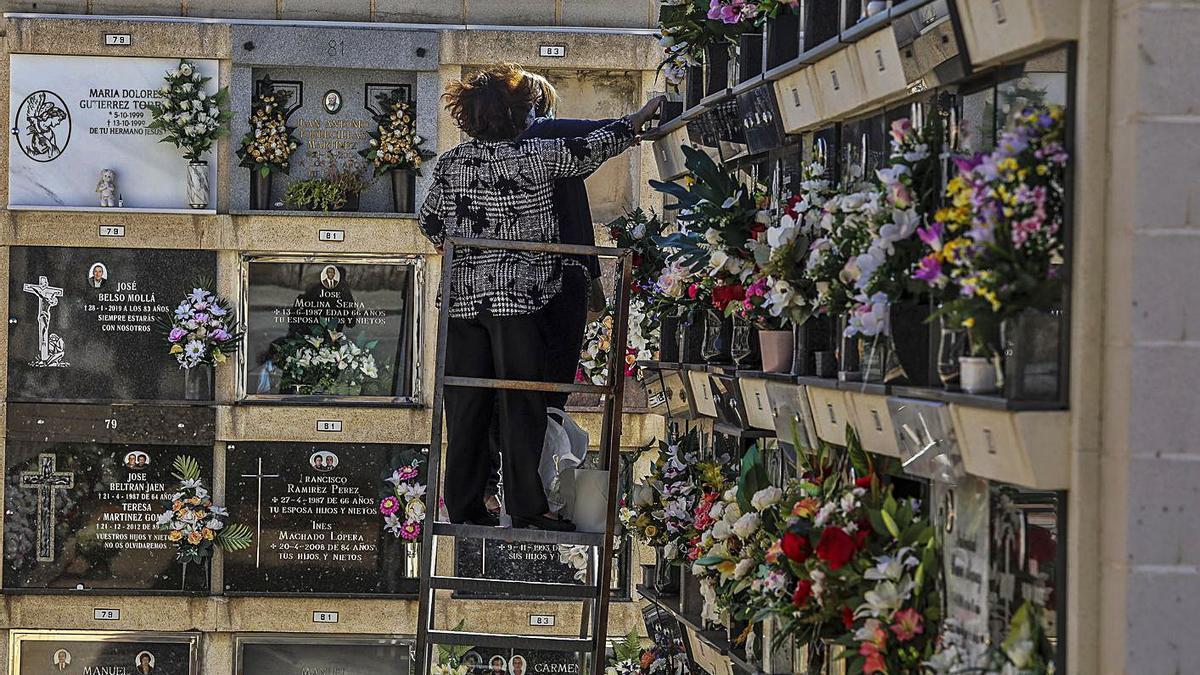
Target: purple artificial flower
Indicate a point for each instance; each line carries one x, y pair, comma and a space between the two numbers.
932, 235
220, 335
183, 310
968, 164
929, 270
177, 334
201, 317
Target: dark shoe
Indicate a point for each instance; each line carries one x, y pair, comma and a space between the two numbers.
486, 520
543, 523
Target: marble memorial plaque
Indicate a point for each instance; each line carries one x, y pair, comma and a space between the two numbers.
104, 653
73, 116
962, 516
317, 655
301, 311
81, 516
332, 109
315, 509
84, 323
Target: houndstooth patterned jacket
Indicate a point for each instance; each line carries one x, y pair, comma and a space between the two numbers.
504, 190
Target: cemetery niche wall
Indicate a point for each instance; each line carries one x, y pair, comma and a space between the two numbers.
73, 117
302, 311
346, 655
85, 323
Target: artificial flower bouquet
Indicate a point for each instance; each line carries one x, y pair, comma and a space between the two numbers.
193, 522
325, 360
996, 248
791, 294
637, 231
394, 143
403, 511
597, 343
203, 330
661, 509
686, 31
269, 145
189, 115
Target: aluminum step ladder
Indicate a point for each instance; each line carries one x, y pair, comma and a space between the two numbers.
594, 594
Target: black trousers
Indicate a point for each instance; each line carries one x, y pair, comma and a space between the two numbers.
563, 322
506, 348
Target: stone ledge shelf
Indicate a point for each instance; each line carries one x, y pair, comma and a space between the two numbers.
110, 209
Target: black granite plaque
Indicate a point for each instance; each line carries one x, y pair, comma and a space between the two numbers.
313, 655
332, 328
81, 516
527, 561
760, 119
488, 661
666, 633
105, 653
315, 509
83, 322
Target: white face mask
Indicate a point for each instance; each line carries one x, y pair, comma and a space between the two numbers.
531, 117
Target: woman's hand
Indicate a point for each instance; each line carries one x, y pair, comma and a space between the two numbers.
640, 118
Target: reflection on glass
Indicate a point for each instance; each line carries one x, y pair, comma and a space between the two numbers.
1024, 557
330, 328
977, 126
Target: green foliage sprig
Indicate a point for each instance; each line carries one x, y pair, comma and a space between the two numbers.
190, 117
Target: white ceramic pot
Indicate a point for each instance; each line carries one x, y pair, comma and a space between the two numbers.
978, 375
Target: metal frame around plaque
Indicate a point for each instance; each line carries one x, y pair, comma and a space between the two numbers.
417, 299
17, 637
360, 639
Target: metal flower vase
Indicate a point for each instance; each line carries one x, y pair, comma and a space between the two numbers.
404, 183
848, 352
412, 559
666, 575
669, 329
952, 344
198, 383
197, 185
744, 345
260, 190
691, 337
1031, 342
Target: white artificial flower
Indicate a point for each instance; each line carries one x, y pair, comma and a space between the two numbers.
766, 498
721, 531
743, 568
746, 525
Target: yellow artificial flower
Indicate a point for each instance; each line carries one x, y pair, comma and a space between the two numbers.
208, 534
194, 538
174, 535
968, 322
176, 348
651, 531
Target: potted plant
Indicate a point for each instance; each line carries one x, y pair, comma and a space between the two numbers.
268, 147
333, 186
202, 332
191, 118
395, 148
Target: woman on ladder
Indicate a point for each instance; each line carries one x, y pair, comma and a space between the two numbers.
495, 186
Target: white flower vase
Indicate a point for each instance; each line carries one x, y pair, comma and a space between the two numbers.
197, 185
978, 375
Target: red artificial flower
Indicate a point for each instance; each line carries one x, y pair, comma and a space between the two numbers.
795, 547
907, 625
757, 228
847, 617
835, 547
637, 260
693, 290
802, 593
874, 662
792, 203
723, 295
860, 537
865, 481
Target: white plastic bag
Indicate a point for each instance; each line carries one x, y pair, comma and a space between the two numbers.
565, 448
590, 505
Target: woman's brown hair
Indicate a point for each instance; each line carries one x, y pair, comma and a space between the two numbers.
492, 104
547, 103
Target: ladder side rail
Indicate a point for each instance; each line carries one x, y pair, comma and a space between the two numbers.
536, 246
433, 472
611, 456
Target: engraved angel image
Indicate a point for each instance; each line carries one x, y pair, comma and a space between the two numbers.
44, 113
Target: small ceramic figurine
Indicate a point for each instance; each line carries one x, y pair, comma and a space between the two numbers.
107, 187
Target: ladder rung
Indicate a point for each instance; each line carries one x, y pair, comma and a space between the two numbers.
534, 246
561, 644
525, 385
518, 534
541, 589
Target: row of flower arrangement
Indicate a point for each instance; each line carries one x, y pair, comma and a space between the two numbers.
833, 556
864, 267
191, 116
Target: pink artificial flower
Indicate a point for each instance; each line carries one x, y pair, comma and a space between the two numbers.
929, 270
907, 625
410, 530
901, 129
932, 235
177, 334
389, 506
407, 472
874, 662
